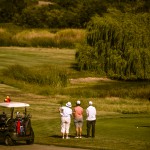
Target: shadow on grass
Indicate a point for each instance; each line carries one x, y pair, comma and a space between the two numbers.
145, 126
18, 143
59, 136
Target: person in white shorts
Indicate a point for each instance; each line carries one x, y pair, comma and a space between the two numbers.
65, 112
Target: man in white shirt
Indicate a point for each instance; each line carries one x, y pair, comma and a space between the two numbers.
65, 112
91, 119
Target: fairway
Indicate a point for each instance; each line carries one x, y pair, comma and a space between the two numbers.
36, 56
122, 123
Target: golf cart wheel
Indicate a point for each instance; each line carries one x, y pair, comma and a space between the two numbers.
9, 141
29, 142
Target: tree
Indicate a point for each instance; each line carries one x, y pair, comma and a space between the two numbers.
120, 44
9, 8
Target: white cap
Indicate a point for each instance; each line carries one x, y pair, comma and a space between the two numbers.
78, 102
18, 113
68, 104
90, 102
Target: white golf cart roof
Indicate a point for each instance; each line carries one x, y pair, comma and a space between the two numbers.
14, 104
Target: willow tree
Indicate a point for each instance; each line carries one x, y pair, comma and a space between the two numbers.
120, 46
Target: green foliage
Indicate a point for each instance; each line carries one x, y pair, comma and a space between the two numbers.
64, 13
109, 89
133, 6
10, 8
43, 75
60, 14
86, 58
120, 45
34, 77
5, 38
44, 16
66, 3
88, 8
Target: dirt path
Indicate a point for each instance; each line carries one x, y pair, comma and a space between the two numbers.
36, 147
88, 79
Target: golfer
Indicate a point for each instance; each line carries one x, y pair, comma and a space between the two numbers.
91, 119
65, 112
78, 119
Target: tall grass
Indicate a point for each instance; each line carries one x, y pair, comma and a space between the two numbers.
42, 75
64, 38
34, 38
67, 37
53, 80
109, 89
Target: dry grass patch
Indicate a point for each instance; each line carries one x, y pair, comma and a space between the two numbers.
2, 30
41, 3
88, 79
28, 35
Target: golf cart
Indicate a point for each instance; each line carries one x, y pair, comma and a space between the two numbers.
14, 125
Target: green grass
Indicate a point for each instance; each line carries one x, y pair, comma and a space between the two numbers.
121, 106
111, 133
114, 130
35, 56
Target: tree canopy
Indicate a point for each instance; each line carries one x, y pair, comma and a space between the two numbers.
66, 13
117, 45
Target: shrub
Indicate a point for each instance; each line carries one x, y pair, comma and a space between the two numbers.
5, 37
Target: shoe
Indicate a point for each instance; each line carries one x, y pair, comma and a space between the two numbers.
67, 137
76, 137
62, 137
80, 137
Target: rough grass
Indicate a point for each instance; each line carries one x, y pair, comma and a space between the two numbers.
113, 130
35, 56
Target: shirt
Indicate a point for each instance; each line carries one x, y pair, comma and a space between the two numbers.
91, 113
65, 111
78, 112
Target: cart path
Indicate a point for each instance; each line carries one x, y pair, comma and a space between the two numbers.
36, 147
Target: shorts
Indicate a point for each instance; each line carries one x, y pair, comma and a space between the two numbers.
78, 122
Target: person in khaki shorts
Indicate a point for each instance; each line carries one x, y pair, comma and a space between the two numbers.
78, 119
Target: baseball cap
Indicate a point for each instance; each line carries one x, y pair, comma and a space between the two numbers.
68, 104
78, 102
90, 102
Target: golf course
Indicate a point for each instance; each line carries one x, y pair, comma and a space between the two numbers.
123, 107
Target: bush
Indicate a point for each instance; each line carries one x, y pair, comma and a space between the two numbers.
5, 37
